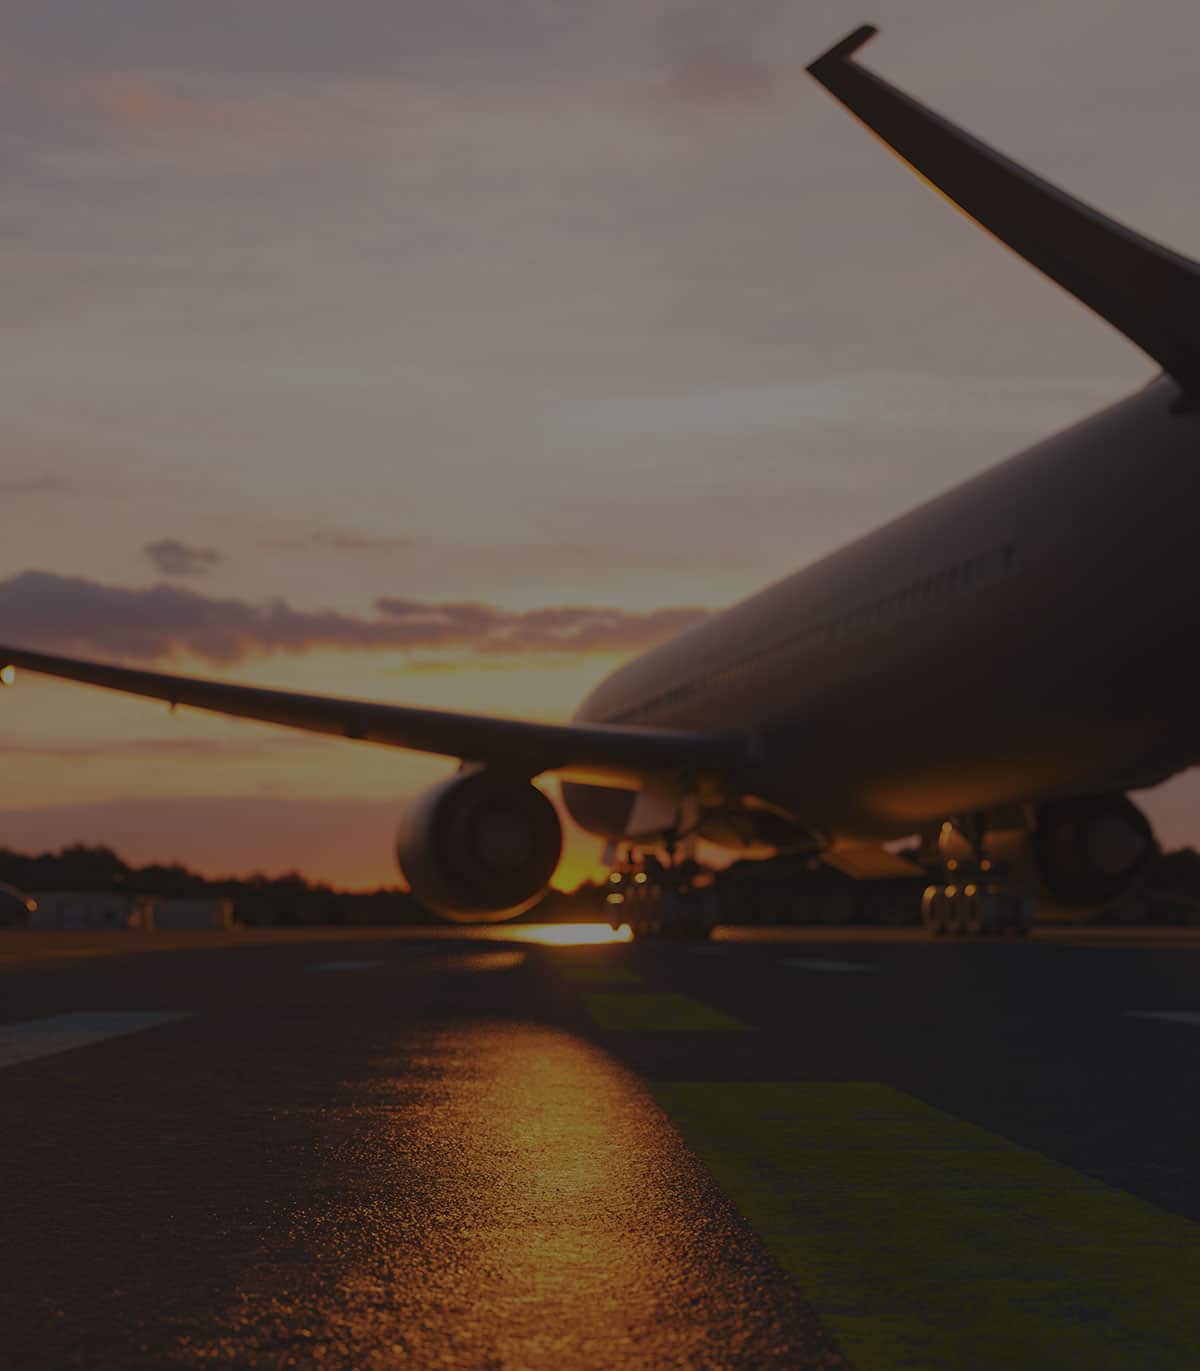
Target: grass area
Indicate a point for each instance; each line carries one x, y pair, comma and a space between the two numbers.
928, 1243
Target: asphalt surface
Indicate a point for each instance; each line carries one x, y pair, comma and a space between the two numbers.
432, 1150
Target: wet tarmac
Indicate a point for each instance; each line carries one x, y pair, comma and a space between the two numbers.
340, 1149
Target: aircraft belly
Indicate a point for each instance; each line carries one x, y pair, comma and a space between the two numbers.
1004, 717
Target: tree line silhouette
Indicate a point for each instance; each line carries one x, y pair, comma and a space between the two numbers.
780, 890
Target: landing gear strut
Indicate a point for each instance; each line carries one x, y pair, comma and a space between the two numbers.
975, 910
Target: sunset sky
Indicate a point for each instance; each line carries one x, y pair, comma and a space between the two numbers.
447, 353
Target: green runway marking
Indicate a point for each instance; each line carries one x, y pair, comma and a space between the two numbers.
646, 1012
927, 1243
600, 975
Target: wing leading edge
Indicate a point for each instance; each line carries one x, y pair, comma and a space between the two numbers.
1148, 292
599, 752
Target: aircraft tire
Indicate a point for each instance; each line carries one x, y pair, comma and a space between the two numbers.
933, 911
976, 921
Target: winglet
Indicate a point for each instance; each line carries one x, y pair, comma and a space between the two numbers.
1146, 291
846, 48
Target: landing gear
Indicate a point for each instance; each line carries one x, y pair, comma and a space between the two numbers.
984, 895
660, 901
975, 910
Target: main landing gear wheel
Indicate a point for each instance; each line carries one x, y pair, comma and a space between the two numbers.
934, 913
952, 911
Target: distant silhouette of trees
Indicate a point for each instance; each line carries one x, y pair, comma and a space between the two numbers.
780, 890
257, 899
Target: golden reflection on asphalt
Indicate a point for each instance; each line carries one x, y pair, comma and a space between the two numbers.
504, 1195
580, 1247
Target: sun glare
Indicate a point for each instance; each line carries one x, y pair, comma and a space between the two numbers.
570, 935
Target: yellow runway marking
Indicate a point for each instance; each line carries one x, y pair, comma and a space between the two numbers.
927, 1243
652, 1012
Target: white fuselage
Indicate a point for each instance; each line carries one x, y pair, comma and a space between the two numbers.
1027, 634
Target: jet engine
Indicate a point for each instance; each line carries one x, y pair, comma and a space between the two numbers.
1079, 853
1090, 851
479, 847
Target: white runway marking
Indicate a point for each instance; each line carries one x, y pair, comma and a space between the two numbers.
1191, 1016
344, 966
26, 1042
823, 964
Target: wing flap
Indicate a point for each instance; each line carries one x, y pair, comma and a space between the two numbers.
1148, 292
598, 752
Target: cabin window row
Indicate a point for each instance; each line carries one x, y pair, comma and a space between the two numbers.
967, 574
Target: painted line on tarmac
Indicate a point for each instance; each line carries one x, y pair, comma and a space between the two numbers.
658, 1012
344, 966
1189, 1016
823, 964
925, 1242
26, 1042
599, 975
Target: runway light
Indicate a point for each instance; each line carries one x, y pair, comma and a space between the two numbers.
951, 891
614, 877
969, 890
8, 675
641, 878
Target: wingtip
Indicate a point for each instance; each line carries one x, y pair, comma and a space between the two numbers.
846, 48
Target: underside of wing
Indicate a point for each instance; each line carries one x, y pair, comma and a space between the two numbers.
595, 752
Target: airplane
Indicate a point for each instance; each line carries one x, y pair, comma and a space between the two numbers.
993, 670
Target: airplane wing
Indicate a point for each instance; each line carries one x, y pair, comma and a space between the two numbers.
1146, 291
597, 752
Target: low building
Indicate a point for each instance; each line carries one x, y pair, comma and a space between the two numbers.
90, 909
193, 911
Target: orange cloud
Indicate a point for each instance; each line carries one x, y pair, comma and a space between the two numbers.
127, 98
72, 614
135, 100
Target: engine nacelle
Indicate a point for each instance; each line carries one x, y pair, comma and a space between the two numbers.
1079, 853
1090, 851
479, 847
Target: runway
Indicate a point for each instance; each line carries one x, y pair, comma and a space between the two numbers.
424, 1148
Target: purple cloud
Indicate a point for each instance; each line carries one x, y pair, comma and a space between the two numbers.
173, 558
71, 614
